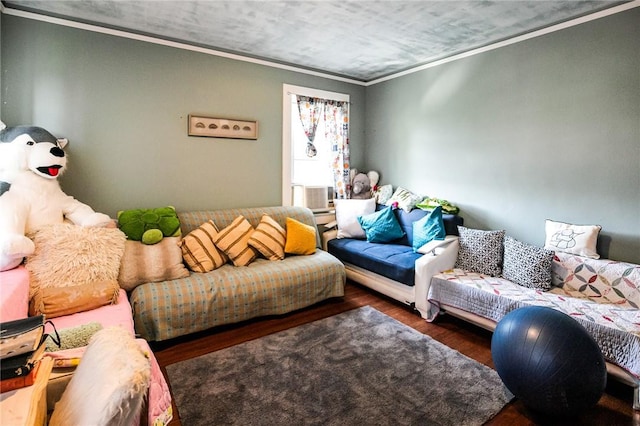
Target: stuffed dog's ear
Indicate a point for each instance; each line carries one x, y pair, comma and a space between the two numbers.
62, 142
2, 126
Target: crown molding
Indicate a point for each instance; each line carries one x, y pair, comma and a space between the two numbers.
185, 46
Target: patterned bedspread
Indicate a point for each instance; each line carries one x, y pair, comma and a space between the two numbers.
594, 299
230, 294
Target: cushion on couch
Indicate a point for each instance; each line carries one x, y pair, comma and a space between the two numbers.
527, 265
574, 239
59, 301
269, 238
405, 199
109, 386
347, 212
383, 193
199, 251
480, 251
234, 241
429, 228
66, 255
394, 261
69, 255
381, 226
142, 263
406, 221
301, 238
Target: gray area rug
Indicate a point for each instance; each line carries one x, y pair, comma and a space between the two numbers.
360, 367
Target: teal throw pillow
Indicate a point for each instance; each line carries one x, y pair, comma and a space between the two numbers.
381, 226
429, 228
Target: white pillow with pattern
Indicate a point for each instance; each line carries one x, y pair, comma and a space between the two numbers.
406, 199
574, 239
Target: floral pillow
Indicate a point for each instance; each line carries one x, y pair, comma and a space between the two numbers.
612, 281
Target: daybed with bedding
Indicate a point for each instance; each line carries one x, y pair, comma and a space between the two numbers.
603, 295
15, 305
229, 294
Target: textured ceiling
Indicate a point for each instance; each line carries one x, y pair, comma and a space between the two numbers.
360, 40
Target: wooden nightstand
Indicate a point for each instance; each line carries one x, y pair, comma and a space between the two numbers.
27, 406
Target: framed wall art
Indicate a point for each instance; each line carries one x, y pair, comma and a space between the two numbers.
222, 127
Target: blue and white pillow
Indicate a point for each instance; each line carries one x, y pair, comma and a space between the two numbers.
527, 265
480, 251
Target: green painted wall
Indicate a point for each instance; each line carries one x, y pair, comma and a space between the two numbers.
123, 105
546, 128
1, 69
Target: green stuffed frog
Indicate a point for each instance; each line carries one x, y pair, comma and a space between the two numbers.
149, 225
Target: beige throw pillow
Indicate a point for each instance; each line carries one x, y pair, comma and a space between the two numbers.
198, 250
68, 255
142, 263
59, 301
234, 241
269, 238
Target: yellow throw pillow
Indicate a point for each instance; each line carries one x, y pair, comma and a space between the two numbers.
234, 241
301, 238
269, 238
198, 250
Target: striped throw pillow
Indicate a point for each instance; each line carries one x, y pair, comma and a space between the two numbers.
234, 239
269, 238
198, 250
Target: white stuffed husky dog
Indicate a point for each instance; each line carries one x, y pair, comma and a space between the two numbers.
31, 159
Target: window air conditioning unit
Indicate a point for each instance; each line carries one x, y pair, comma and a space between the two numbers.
316, 198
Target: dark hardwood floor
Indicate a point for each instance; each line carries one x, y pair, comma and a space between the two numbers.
614, 408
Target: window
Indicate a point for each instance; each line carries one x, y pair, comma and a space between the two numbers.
297, 166
309, 170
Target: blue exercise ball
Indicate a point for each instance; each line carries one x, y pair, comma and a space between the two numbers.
549, 361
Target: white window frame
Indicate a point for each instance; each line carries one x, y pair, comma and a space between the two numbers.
287, 152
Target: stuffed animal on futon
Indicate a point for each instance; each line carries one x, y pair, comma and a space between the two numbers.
31, 160
149, 226
362, 184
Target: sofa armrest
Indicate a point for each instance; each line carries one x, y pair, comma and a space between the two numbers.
328, 236
437, 260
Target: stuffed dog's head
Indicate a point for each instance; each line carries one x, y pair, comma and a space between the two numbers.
32, 148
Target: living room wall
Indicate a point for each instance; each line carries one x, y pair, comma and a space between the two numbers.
547, 128
123, 105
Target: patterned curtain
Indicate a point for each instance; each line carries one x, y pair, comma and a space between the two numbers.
309, 109
336, 116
